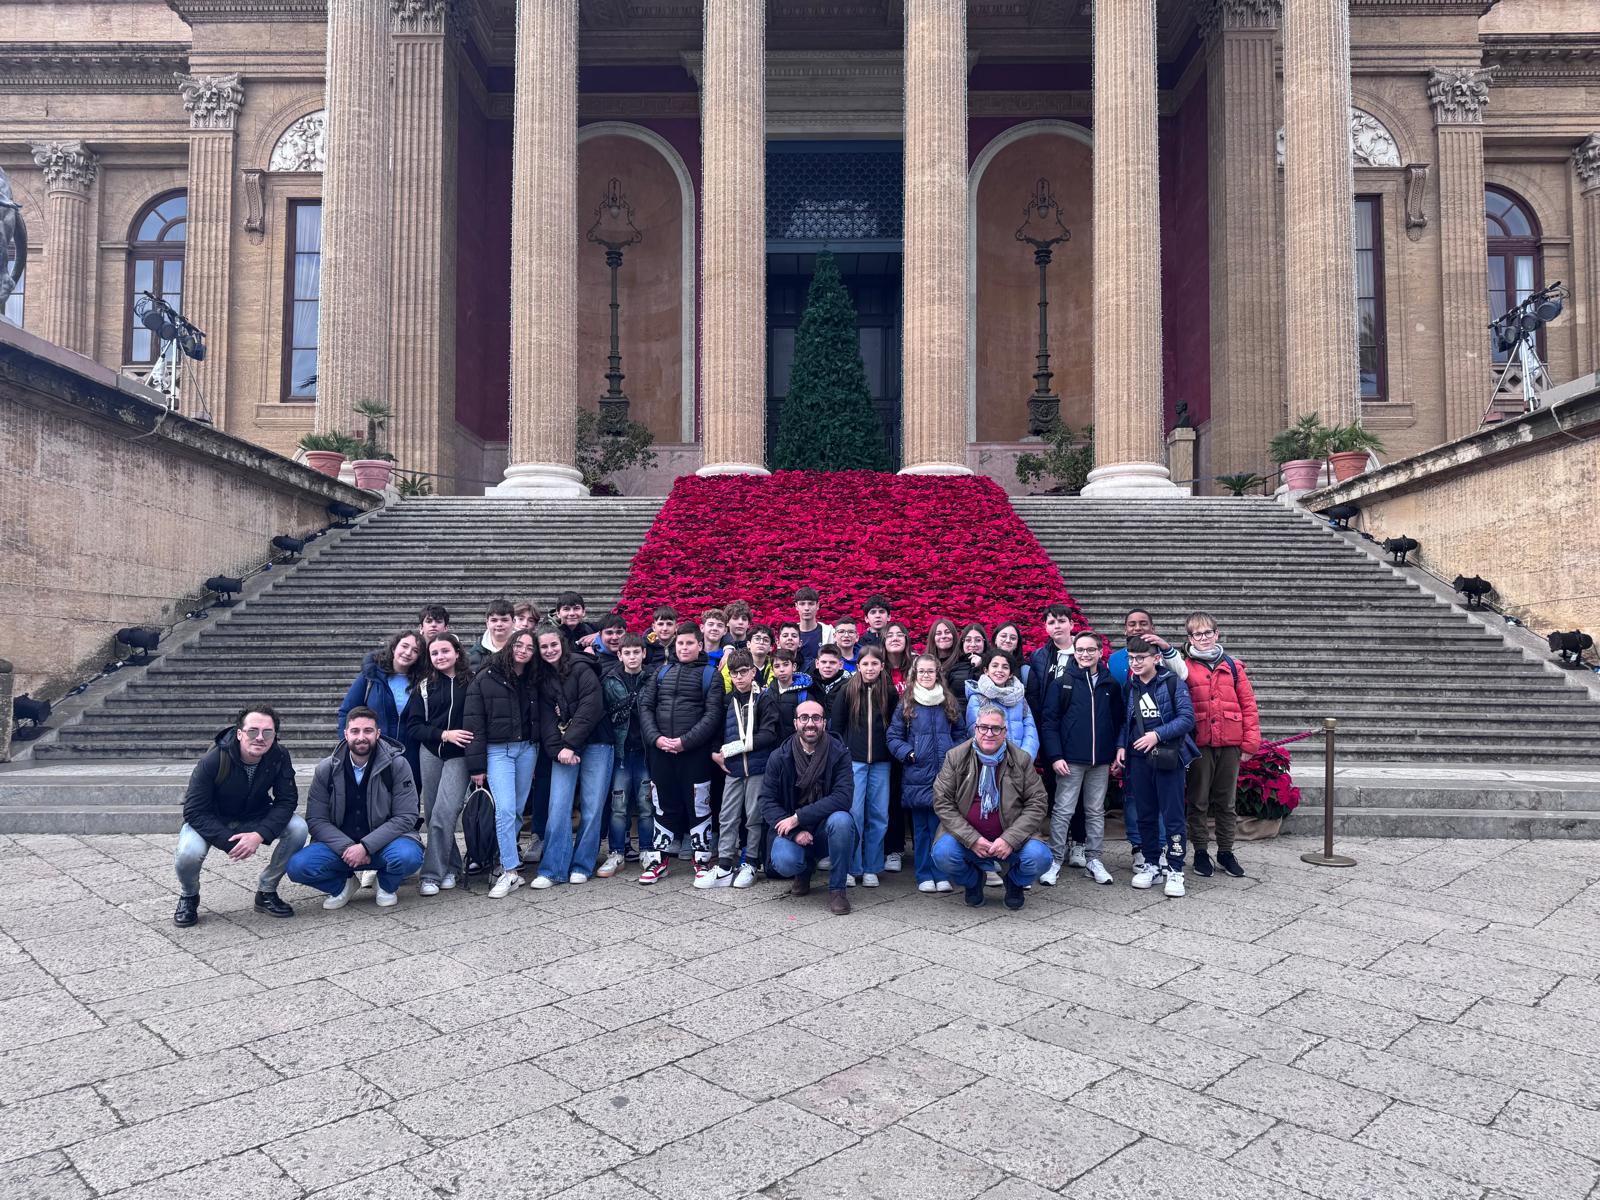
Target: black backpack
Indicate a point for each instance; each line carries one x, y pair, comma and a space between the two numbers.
478, 831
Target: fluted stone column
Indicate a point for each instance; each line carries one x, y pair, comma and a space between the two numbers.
353, 317
1129, 447
1459, 96
1319, 212
69, 172
1246, 249
544, 254
733, 134
935, 279
213, 103
422, 364
1586, 162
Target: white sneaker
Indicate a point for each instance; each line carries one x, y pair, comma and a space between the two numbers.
508, 882
577, 877
427, 888
447, 883
1138, 861
1174, 883
386, 899
368, 879
542, 882
715, 876
351, 887
824, 863
927, 885
944, 885
1145, 877
1096, 871
869, 880
746, 877
613, 863
992, 879
1076, 856
891, 864
850, 881
1050, 876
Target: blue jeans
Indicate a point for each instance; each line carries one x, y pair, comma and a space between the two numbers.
836, 840
630, 798
192, 850
963, 865
589, 781
318, 866
870, 808
1156, 798
924, 829
510, 772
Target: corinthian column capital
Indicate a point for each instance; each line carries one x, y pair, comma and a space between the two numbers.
212, 101
67, 166
1223, 16
1458, 94
420, 16
1586, 162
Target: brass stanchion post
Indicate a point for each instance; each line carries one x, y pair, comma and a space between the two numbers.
1328, 858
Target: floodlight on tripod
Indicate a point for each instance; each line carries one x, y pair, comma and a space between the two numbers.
178, 338
1515, 334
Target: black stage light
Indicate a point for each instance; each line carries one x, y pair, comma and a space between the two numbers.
36, 712
1473, 587
289, 545
342, 512
224, 586
1400, 547
1571, 646
1340, 515
140, 639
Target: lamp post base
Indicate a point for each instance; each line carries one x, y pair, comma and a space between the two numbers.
1131, 481
732, 469
1328, 860
538, 479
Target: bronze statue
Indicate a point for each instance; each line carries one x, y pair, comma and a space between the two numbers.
13, 241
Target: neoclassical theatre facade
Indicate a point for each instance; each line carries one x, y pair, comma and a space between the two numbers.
1261, 208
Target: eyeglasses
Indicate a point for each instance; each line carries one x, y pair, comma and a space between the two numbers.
1200, 635
259, 735
990, 728
810, 720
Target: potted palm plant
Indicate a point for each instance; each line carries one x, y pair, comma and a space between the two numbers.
326, 452
1299, 451
1348, 449
375, 467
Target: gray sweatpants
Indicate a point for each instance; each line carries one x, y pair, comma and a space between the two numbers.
444, 795
740, 794
1091, 782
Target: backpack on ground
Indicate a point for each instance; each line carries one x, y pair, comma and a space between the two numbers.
478, 831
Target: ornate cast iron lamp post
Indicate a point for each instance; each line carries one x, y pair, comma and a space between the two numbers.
1042, 229
614, 229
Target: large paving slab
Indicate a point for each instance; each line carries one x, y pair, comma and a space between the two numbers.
1425, 1024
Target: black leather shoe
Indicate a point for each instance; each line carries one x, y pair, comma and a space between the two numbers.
1015, 896
272, 905
975, 893
187, 913
1202, 863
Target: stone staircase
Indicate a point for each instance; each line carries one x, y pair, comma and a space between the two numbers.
1324, 628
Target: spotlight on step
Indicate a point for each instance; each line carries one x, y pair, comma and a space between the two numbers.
140, 640
1473, 587
288, 546
35, 712
226, 587
1340, 515
1400, 547
1570, 646
343, 513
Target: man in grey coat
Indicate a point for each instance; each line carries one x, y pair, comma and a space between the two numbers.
362, 813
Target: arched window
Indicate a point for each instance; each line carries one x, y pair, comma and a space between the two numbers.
155, 264
1516, 266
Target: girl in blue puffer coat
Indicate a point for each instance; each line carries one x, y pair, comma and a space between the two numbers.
927, 722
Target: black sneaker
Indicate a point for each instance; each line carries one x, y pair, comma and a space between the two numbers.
1015, 896
1202, 862
1228, 863
975, 893
187, 913
272, 905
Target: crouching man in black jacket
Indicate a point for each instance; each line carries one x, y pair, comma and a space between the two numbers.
805, 799
241, 796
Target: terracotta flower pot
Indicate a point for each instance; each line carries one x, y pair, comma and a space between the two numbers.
373, 474
327, 462
1300, 474
1347, 464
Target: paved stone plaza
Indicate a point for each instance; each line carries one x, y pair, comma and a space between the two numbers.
1424, 1025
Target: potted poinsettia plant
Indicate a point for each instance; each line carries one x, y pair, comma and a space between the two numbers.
1299, 451
375, 467
1349, 447
326, 452
1266, 793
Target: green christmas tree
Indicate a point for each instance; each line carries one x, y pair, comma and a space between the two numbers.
828, 422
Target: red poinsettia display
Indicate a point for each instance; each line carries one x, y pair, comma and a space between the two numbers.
936, 546
1266, 789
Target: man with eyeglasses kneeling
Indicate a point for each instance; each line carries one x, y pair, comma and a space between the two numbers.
241, 796
991, 805
806, 792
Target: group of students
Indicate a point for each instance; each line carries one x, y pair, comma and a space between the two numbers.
591, 733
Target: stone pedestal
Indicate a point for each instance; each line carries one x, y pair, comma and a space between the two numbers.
1586, 162
733, 360
1319, 212
422, 363
1127, 257
69, 172
353, 317
544, 255
934, 440
1246, 249
1459, 95
1181, 458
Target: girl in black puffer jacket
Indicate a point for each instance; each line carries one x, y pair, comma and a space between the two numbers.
501, 716
435, 721
578, 739
680, 714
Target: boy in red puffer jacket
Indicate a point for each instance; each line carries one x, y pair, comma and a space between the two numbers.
1227, 728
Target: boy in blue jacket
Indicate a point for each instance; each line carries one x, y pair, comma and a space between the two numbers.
1156, 747
1084, 712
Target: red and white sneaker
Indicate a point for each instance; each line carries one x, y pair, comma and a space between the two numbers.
702, 867
655, 867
